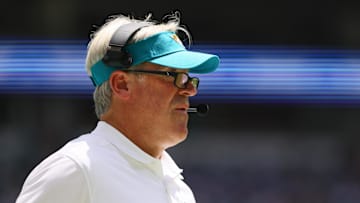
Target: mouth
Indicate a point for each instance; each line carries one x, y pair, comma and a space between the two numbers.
182, 108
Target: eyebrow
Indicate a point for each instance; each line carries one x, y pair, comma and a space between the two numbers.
168, 69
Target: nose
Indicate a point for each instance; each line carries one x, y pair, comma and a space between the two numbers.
189, 91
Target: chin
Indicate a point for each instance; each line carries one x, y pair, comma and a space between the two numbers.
182, 131
178, 137
183, 136
178, 130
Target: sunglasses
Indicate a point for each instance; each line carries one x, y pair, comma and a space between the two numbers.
181, 79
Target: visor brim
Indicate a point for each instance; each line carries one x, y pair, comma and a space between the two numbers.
195, 62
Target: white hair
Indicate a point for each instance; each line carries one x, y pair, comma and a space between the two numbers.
100, 39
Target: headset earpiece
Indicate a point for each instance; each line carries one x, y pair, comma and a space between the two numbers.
116, 56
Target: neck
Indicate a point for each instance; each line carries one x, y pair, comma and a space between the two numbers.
136, 135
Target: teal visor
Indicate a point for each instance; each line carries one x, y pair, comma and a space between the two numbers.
164, 49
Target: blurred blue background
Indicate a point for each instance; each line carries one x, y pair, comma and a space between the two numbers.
284, 103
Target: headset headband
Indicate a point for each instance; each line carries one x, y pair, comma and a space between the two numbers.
116, 56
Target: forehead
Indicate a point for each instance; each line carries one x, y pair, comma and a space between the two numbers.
152, 66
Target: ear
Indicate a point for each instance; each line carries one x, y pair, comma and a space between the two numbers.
119, 84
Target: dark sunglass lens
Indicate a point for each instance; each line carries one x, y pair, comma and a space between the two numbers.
195, 82
181, 80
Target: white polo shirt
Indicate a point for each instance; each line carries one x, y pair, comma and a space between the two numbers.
105, 167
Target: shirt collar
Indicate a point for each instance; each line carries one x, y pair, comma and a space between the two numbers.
165, 166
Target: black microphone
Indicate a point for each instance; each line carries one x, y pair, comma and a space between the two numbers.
200, 110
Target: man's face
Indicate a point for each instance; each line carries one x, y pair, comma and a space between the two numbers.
160, 107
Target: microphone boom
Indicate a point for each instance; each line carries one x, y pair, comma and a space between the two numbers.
201, 109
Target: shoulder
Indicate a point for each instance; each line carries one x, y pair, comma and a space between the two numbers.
56, 179
86, 150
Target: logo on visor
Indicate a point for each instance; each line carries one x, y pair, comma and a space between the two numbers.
176, 38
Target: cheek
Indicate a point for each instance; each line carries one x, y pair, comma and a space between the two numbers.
160, 101
160, 93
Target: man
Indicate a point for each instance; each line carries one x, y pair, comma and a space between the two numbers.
141, 73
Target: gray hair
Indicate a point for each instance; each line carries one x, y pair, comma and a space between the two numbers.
100, 39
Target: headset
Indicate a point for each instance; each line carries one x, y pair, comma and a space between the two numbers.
115, 55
